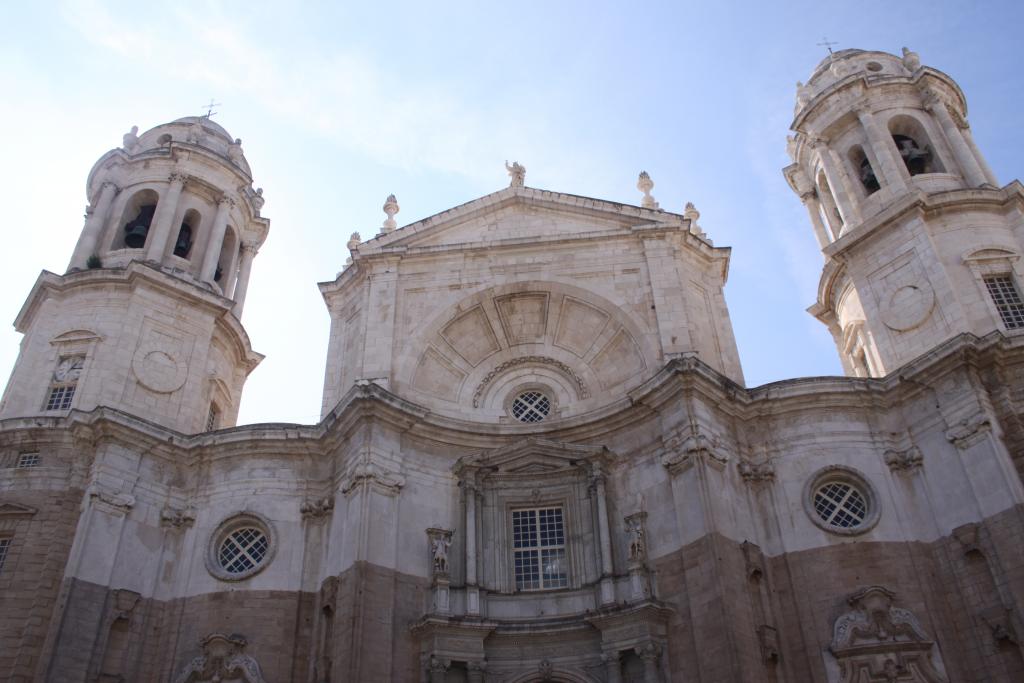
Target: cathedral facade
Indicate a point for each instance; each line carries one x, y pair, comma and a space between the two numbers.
537, 459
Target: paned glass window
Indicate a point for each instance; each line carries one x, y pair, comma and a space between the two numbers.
840, 504
65, 379
531, 406
1007, 300
243, 549
28, 460
5, 544
538, 540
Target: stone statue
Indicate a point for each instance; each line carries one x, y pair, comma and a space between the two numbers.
911, 61
637, 545
517, 173
258, 200
131, 139
235, 152
439, 550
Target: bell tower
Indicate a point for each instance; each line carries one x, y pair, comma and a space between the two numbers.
146, 319
920, 242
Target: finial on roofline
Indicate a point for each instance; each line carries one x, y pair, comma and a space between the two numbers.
390, 208
645, 185
354, 241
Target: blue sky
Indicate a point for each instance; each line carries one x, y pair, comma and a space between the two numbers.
340, 104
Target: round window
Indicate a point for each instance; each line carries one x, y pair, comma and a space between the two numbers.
873, 66
240, 547
841, 501
531, 406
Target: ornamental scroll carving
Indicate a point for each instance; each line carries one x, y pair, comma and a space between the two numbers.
876, 641
581, 386
223, 660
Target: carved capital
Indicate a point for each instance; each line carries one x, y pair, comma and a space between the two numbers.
368, 475
177, 518
756, 472
225, 199
317, 510
177, 178
683, 452
110, 501
969, 431
906, 460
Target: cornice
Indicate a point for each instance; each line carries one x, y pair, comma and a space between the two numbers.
134, 275
369, 403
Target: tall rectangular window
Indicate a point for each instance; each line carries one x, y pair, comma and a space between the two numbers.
1007, 300
5, 544
212, 417
65, 381
538, 540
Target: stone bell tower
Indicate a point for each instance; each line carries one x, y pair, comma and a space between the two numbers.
920, 242
146, 320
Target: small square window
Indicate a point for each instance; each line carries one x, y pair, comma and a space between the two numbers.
60, 398
28, 460
538, 541
5, 544
1007, 299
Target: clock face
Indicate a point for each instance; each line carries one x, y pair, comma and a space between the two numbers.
69, 369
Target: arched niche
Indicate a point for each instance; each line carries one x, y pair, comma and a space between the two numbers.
136, 220
914, 145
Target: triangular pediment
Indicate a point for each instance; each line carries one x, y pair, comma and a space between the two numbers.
15, 510
536, 456
518, 214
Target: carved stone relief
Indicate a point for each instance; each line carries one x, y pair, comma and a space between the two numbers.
223, 661
877, 641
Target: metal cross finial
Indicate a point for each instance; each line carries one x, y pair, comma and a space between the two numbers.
827, 44
209, 108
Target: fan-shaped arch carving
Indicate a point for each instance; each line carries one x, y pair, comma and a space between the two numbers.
594, 346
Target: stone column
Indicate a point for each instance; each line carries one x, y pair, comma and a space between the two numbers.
813, 206
166, 210
989, 173
607, 570
475, 671
244, 269
969, 167
90, 237
839, 182
892, 172
472, 592
438, 669
214, 244
649, 655
613, 666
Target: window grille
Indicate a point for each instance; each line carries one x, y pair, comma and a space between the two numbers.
538, 539
1007, 300
531, 406
5, 544
242, 550
841, 505
28, 460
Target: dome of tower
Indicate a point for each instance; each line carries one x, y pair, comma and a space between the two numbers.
844, 64
195, 130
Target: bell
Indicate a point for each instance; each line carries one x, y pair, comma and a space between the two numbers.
136, 230
184, 242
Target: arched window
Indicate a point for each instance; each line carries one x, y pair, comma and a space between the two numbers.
864, 171
136, 220
829, 211
228, 251
186, 234
914, 146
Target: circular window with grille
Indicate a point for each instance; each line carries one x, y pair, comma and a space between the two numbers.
841, 501
241, 547
531, 406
